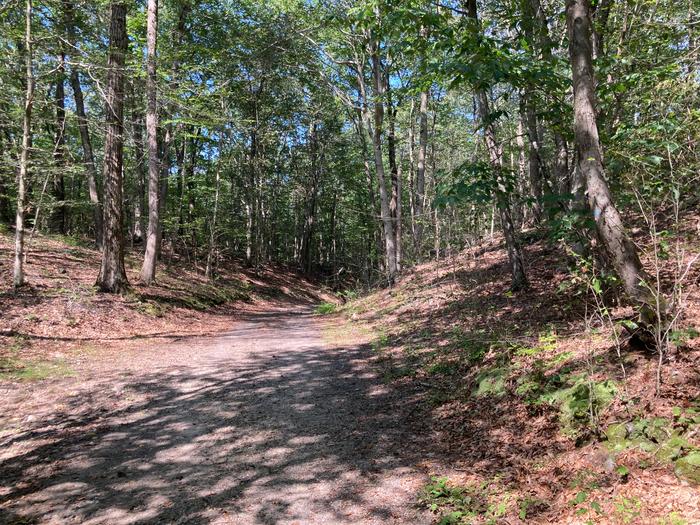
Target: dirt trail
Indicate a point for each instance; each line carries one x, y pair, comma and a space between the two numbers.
265, 425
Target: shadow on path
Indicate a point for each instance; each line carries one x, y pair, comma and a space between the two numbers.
266, 425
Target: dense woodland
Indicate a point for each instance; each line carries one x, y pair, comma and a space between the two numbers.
496, 200
352, 139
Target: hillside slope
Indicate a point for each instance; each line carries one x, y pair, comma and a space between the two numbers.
59, 315
540, 416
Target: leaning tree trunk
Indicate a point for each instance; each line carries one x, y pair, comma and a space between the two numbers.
24, 155
148, 270
112, 277
609, 226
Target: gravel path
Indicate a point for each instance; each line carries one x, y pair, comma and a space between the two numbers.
265, 425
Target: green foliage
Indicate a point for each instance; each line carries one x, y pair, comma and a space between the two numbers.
547, 343
674, 518
688, 467
585, 506
682, 336
578, 399
668, 441
15, 368
325, 308
491, 382
528, 506
381, 341
443, 368
627, 510
462, 504
474, 183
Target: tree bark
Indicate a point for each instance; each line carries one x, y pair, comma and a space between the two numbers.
139, 226
5, 203
57, 219
561, 165
148, 270
311, 195
86, 143
518, 277
601, 11
389, 235
609, 225
535, 164
395, 202
112, 277
18, 277
211, 253
420, 171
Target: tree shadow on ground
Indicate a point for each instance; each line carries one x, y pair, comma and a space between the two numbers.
269, 436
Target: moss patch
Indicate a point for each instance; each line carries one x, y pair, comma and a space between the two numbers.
666, 440
491, 382
15, 369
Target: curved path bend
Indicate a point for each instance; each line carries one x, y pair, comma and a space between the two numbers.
264, 425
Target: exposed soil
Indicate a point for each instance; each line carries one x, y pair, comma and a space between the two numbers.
193, 402
266, 424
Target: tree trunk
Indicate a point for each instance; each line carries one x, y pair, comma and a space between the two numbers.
112, 277
561, 165
252, 204
211, 254
148, 270
57, 219
602, 15
18, 278
609, 226
519, 279
311, 195
140, 202
374, 237
389, 235
420, 171
86, 143
533, 155
5, 204
693, 55
395, 202
171, 130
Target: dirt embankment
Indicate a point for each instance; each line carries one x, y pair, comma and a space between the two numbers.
542, 416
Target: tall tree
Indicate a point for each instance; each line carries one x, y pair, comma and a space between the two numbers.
309, 223
26, 145
608, 221
148, 270
420, 170
112, 277
83, 128
58, 216
384, 195
495, 153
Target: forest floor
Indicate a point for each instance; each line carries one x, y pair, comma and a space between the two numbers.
152, 409
445, 399
539, 416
